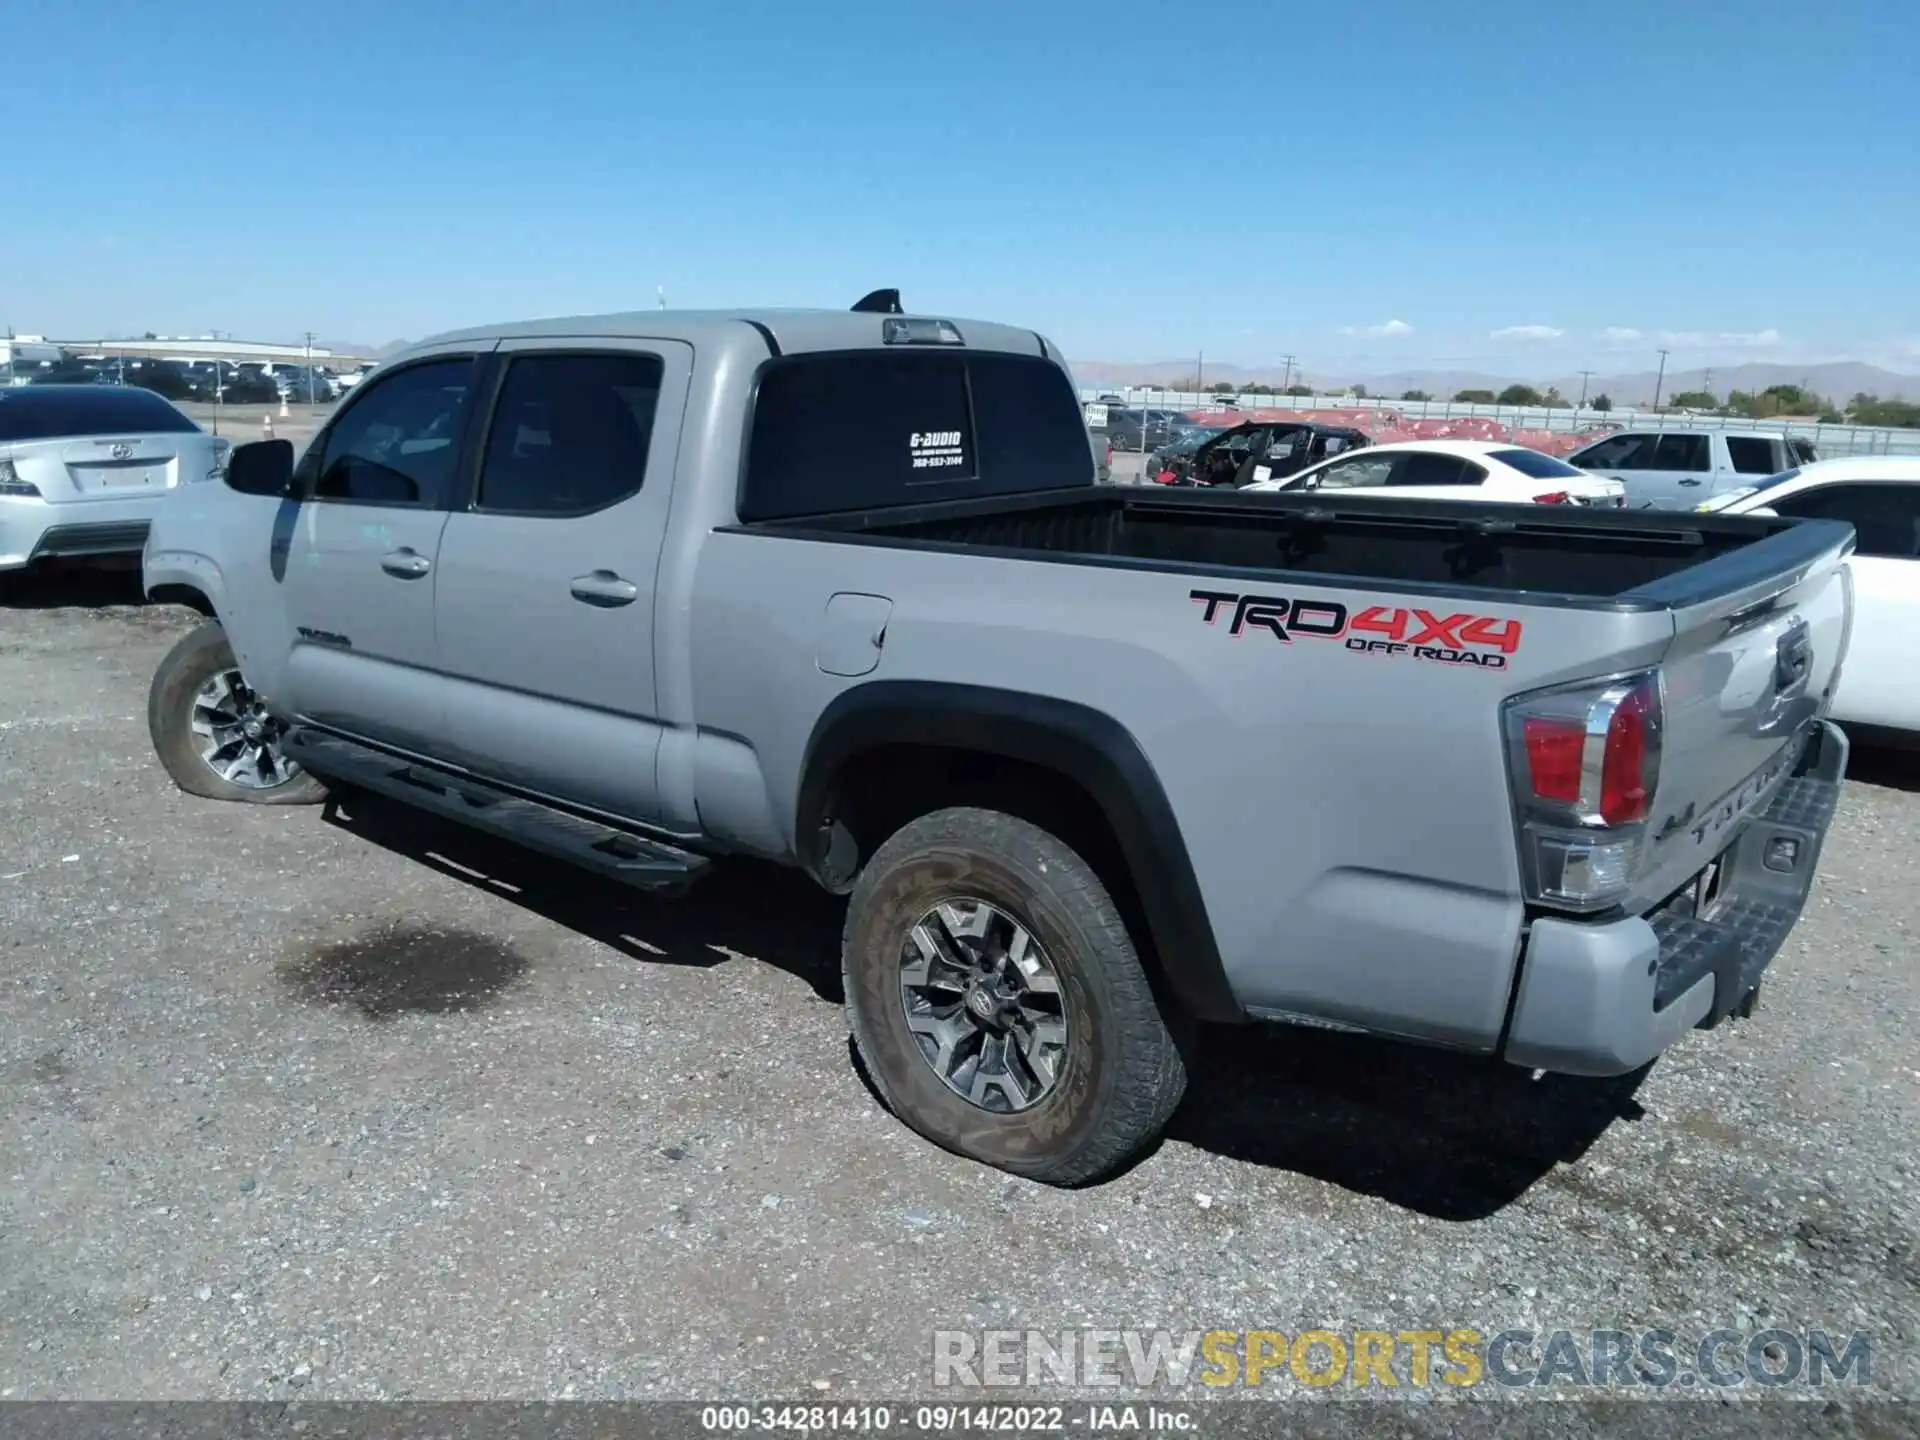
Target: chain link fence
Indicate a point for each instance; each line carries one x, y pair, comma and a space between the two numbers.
1553, 429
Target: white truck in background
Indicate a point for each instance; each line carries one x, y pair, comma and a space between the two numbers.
1667, 469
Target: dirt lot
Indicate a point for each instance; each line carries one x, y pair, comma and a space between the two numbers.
345, 1106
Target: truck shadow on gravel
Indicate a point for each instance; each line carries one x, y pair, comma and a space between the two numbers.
72, 587
1874, 760
743, 908
1447, 1136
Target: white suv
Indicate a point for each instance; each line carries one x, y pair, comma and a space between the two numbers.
1677, 469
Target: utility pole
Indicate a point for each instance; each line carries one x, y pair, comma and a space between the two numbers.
309, 369
1200, 373
1660, 380
1286, 379
662, 291
1585, 376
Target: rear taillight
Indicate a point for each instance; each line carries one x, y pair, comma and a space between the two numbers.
12, 484
1554, 751
1626, 786
1558, 497
1585, 760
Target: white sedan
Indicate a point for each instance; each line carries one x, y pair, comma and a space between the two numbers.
1454, 470
1879, 495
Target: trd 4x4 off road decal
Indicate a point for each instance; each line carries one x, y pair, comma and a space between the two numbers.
1481, 641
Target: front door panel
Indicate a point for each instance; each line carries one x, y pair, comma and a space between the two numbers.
358, 556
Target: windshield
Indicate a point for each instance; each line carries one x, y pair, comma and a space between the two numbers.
1536, 466
1767, 482
1187, 441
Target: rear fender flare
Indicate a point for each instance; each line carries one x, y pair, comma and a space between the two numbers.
1083, 745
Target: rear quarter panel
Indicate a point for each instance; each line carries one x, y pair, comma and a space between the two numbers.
1347, 814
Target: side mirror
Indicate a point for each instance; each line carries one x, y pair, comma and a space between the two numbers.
264, 467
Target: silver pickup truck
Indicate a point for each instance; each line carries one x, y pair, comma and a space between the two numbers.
1092, 763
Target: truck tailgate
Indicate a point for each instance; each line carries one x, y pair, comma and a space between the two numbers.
1747, 673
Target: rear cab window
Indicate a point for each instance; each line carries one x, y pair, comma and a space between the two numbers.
31, 412
856, 430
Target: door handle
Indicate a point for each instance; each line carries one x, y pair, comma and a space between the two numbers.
605, 589
1689, 482
405, 564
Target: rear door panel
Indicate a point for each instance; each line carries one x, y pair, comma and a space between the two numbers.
546, 621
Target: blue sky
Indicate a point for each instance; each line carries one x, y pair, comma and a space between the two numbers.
1368, 187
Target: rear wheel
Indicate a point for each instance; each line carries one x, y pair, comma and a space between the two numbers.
214, 735
998, 1003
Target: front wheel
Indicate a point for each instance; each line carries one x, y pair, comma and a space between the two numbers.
998, 1003
214, 734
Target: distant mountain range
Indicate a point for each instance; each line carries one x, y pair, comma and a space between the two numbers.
1839, 381
357, 347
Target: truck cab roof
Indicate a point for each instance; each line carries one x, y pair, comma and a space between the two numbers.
759, 331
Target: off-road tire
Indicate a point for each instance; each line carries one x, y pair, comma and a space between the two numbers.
1122, 1075
198, 657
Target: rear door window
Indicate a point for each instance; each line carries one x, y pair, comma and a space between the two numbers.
1682, 452
1752, 455
866, 429
570, 433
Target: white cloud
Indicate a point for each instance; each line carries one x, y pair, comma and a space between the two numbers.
1527, 332
1693, 339
1720, 339
1386, 330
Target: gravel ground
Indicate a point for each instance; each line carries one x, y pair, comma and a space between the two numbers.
345, 1106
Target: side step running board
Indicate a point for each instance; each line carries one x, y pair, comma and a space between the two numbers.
640, 862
